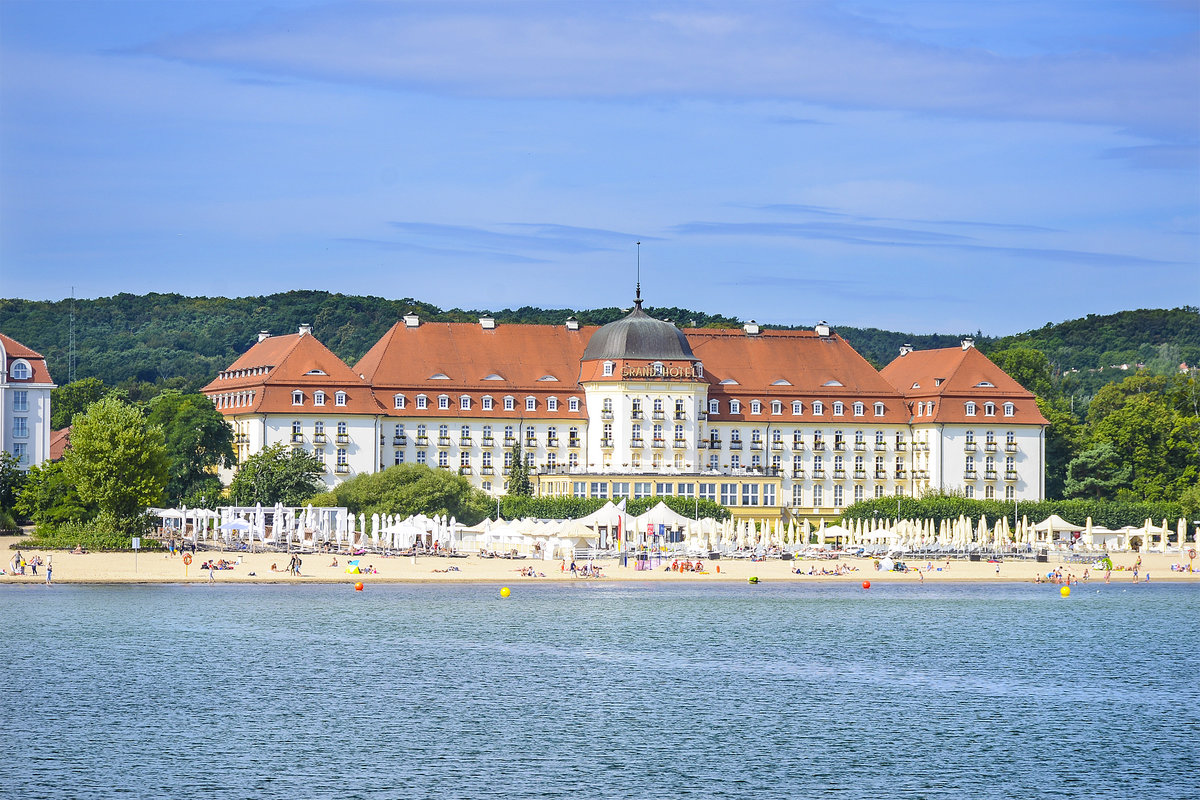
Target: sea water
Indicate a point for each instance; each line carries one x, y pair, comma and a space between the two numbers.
601, 690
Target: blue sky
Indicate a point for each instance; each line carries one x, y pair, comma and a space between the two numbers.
930, 166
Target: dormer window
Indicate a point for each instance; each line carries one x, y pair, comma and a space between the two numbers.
839, 408
818, 408
776, 407
439, 376
1009, 409
859, 409
879, 409
297, 398
832, 383
486, 402
510, 403
443, 401
658, 368
399, 401
781, 382
989, 409
552, 404
545, 378
493, 377
531, 404
735, 406
422, 402
714, 406
755, 407
318, 398
339, 399
699, 370
729, 382
464, 402
797, 408
608, 369
970, 409
20, 370
310, 372
573, 404
987, 384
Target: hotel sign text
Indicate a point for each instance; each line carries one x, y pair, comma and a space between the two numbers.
685, 373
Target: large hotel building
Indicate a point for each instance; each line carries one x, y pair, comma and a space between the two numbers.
764, 422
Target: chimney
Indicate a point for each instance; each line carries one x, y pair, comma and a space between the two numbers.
263, 335
411, 321
305, 329
905, 349
487, 322
572, 323
822, 329
967, 343
751, 328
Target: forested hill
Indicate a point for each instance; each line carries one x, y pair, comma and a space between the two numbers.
184, 341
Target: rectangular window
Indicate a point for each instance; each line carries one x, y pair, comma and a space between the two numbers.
21, 451
487, 404
818, 499
552, 404
509, 404
620, 489
749, 494
579, 488
443, 402
573, 404
398, 458
420, 456
20, 429
768, 494
797, 495
708, 491
729, 494
687, 490
422, 401
464, 403
530, 404
600, 489
297, 398
663, 489
641, 489
20, 400
399, 400
339, 399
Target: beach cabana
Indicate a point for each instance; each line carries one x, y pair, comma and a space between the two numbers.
1051, 528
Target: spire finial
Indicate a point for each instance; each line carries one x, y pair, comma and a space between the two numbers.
637, 300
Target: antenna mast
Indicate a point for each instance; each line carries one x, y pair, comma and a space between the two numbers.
71, 342
637, 301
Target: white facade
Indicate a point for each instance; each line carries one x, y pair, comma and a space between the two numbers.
25, 405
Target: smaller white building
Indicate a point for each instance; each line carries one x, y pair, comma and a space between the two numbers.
25, 402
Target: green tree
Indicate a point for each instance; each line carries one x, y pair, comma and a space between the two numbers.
1028, 367
519, 484
1097, 472
1157, 441
118, 462
198, 439
1064, 439
73, 398
410, 489
50, 497
277, 474
12, 478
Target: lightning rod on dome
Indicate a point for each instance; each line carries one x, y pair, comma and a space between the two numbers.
637, 300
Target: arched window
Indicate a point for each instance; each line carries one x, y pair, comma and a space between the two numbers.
20, 370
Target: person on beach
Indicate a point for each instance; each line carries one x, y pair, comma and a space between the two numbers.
49, 569
212, 578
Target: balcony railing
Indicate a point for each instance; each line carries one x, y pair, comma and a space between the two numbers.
464, 470
756, 445
606, 415
606, 442
714, 442
342, 469
989, 475
901, 445
969, 447
880, 447
422, 441
529, 442
659, 443
798, 473
860, 474
660, 415
735, 445
635, 414
797, 444
881, 474
399, 441
681, 443
901, 474
840, 446
573, 443
818, 474
818, 444
839, 474
1010, 475
702, 444
297, 438
507, 470
443, 441
487, 441
924, 446
552, 441
990, 447
242, 438
680, 415
860, 445
921, 474
970, 475
318, 438
464, 441
343, 438
702, 415
636, 443
510, 441
1010, 447
487, 471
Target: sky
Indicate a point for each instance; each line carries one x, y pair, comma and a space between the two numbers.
919, 166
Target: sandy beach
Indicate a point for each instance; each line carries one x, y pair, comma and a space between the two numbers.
318, 568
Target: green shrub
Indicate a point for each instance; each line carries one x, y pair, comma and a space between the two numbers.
92, 536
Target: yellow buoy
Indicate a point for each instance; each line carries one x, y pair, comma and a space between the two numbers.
505, 592
1065, 591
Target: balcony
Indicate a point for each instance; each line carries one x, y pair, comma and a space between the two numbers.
735, 445
660, 415
702, 415
880, 447
797, 444
464, 470
901, 446
399, 441
342, 469
635, 414
510, 441
860, 474
606, 415
297, 439
343, 438
714, 442
818, 444
798, 473
422, 441
242, 438
989, 475
487, 471
925, 446
573, 443
507, 470
839, 447
969, 447
487, 441
606, 443
552, 441
818, 474
901, 474
860, 445
443, 441
921, 474
531, 443
636, 443
970, 475
702, 444
318, 438
756, 445
990, 447
1010, 475
659, 443
680, 415
464, 441
1010, 447
681, 443
838, 474
881, 474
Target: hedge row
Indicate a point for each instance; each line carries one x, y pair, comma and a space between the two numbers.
1109, 513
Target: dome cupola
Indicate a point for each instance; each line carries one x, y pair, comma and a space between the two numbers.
640, 337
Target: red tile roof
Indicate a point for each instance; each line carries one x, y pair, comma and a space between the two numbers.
60, 440
951, 377
37, 362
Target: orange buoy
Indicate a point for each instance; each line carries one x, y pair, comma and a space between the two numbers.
866, 584
358, 586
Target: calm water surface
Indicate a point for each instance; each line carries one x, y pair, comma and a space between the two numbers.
601, 690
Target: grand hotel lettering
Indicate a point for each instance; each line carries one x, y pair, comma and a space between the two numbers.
652, 372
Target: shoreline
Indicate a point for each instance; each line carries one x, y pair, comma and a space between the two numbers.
317, 569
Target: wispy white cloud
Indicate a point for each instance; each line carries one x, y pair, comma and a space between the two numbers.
822, 53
